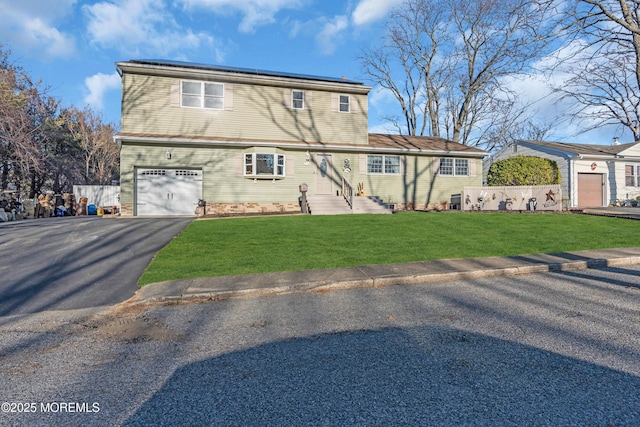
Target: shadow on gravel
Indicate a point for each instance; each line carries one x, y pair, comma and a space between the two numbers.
415, 376
633, 282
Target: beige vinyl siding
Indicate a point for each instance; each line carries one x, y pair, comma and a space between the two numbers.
223, 182
257, 113
419, 183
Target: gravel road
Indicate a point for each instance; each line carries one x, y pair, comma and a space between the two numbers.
556, 349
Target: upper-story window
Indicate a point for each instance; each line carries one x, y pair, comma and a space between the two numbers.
454, 167
344, 103
632, 175
297, 99
202, 95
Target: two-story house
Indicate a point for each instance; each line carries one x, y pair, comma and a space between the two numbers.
243, 141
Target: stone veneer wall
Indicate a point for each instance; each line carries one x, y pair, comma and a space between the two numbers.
126, 209
232, 208
247, 208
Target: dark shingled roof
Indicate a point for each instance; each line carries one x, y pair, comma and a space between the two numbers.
584, 149
425, 143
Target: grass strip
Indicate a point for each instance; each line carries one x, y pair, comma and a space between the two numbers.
234, 246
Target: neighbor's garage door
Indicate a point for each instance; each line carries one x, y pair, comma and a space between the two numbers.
590, 189
168, 191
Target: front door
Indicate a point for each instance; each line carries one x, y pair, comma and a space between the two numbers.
324, 173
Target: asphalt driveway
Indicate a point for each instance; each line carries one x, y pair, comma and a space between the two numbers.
77, 262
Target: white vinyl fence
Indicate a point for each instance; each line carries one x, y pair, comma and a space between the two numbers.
514, 198
99, 195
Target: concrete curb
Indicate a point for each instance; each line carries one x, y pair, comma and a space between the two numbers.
197, 289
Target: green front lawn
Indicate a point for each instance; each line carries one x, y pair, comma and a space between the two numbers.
233, 246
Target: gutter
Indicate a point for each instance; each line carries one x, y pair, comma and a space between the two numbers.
302, 146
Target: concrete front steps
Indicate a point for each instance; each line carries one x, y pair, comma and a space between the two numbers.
336, 205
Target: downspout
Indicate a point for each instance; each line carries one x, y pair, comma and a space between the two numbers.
570, 188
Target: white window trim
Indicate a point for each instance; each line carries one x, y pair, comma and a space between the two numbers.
293, 100
202, 94
348, 104
453, 167
279, 162
636, 174
384, 164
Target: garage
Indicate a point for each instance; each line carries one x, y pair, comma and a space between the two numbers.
168, 191
590, 189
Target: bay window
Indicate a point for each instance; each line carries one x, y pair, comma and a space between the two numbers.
264, 165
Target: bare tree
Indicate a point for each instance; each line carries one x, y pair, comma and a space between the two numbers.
603, 68
19, 155
409, 65
445, 61
45, 148
99, 153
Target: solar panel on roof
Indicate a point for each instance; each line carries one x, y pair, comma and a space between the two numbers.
239, 70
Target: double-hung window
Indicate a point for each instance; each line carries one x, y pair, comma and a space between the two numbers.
383, 164
344, 103
264, 165
202, 95
297, 99
632, 175
454, 167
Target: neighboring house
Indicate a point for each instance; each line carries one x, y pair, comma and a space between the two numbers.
243, 141
592, 175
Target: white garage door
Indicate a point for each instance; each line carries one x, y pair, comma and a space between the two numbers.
168, 191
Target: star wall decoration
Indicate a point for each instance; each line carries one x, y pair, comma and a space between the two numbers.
551, 196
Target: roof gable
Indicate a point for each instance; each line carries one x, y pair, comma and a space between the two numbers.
632, 149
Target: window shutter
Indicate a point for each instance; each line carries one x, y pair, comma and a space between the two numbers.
362, 164
335, 102
228, 96
286, 98
289, 167
307, 100
239, 165
175, 93
354, 104
403, 165
472, 167
436, 166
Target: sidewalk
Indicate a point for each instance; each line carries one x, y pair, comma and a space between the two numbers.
374, 276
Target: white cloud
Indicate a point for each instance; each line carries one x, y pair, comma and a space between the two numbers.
142, 27
380, 97
97, 85
30, 25
368, 11
331, 31
255, 12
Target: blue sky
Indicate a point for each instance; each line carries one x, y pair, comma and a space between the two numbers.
73, 45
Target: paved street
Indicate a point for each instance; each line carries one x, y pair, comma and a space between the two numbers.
546, 349
77, 262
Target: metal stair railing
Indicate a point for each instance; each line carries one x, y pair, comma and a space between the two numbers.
347, 192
